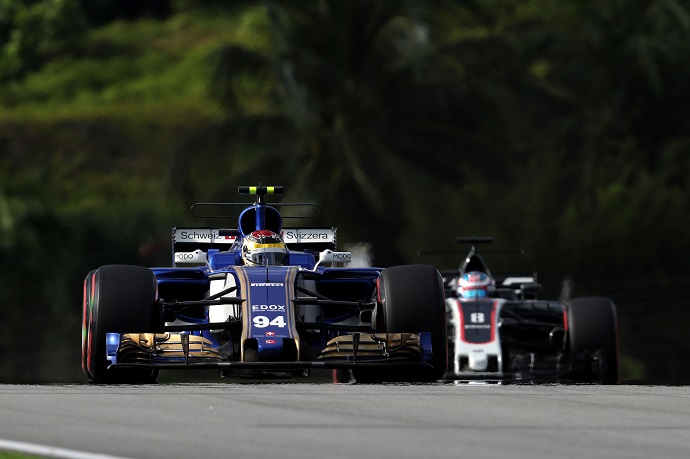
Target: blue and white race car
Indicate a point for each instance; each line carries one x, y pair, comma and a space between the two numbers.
499, 330
261, 300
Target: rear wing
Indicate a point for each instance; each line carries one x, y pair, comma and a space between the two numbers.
187, 240
312, 239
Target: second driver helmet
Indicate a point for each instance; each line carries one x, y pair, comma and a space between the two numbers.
475, 284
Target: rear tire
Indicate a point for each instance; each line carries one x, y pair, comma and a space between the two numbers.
124, 299
593, 332
412, 299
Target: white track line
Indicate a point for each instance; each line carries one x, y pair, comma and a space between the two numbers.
51, 451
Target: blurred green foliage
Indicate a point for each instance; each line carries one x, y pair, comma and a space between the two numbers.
35, 31
561, 129
13, 455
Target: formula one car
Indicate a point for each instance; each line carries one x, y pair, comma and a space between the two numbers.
259, 301
499, 330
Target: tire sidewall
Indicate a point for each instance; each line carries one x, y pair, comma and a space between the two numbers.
412, 299
593, 328
124, 300
86, 322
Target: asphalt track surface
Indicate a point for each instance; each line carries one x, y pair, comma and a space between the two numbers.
322, 420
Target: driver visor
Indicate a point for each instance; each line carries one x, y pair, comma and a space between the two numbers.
267, 257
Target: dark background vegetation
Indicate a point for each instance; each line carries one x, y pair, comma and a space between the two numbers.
560, 128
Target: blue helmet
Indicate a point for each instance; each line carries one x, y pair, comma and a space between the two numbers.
475, 284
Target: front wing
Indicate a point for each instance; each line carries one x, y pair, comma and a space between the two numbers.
187, 351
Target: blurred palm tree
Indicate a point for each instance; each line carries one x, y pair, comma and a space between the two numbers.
350, 103
608, 170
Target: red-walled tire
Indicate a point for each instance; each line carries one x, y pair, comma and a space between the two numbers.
85, 323
124, 299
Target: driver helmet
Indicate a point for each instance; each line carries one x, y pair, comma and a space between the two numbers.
263, 248
475, 284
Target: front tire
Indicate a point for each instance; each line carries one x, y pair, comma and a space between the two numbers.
412, 301
122, 299
593, 333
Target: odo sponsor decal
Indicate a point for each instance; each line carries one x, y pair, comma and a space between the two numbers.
267, 284
268, 308
342, 256
197, 256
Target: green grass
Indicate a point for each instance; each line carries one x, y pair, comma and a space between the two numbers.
13, 455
